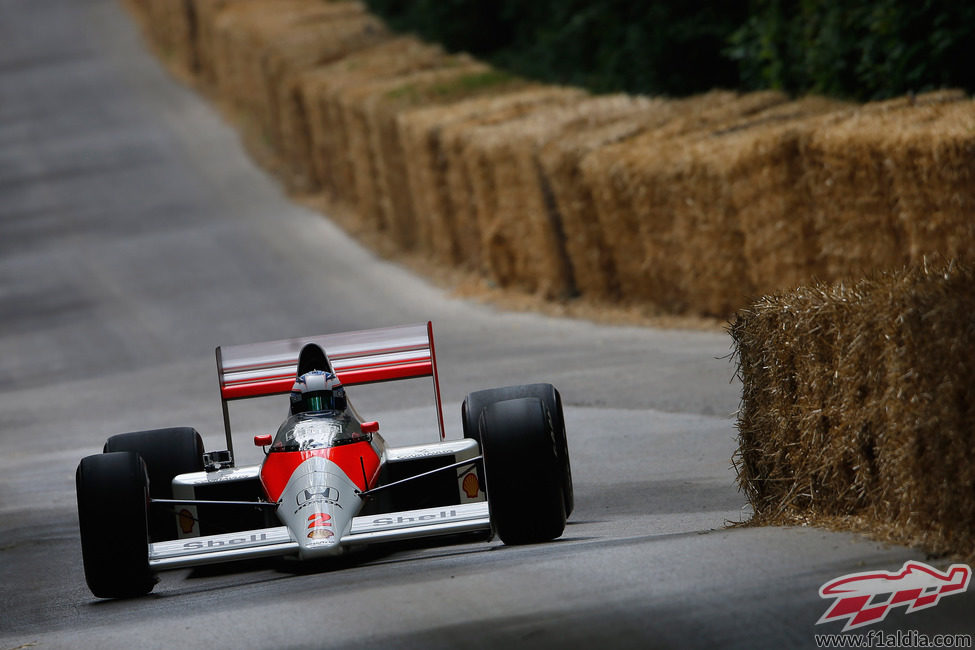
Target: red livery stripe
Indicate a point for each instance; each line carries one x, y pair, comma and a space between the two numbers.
279, 466
347, 377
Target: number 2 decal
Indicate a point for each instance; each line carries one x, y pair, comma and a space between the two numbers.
319, 519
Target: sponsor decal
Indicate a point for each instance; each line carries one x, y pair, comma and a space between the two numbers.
471, 485
866, 598
319, 519
234, 541
320, 533
186, 521
308, 497
443, 514
421, 453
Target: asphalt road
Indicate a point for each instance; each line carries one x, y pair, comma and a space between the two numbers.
135, 236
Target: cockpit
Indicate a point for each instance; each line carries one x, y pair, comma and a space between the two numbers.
304, 431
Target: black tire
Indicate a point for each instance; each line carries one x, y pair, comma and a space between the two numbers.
471, 409
523, 471
113, 505
167, 453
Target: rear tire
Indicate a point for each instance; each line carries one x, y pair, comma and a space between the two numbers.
113, 504
549, 395
523, 471
167, 454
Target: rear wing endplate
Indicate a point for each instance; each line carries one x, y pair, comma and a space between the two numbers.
362, 357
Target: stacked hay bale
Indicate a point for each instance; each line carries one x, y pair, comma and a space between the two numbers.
751, 166
769, 192
648, 188
858, 404
590, 257
433, 140
520, 227
333, 35
262, 51
330, 150
202, 15
381, 165
859, 220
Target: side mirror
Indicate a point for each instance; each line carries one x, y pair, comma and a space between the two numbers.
369, 427
262, 441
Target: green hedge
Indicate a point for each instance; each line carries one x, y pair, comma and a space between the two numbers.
609, 45
861, 49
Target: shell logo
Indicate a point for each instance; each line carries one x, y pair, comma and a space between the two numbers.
186, 521
471, 485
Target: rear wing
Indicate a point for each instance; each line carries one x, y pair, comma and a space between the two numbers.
362, 357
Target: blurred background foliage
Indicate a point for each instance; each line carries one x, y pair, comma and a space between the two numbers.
855, 49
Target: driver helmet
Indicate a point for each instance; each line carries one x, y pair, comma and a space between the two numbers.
317, 390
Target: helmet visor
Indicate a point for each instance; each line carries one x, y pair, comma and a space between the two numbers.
320, 400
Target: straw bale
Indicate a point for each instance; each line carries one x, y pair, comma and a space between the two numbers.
858, 402
591, 262
243, 34
289, 58
438, 176
932, 175
205, 14
858, 220
750, 237
382, 103
645, 186
322, 89
759, 162
234, 40
516, 212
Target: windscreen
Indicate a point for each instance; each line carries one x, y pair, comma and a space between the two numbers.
306, 431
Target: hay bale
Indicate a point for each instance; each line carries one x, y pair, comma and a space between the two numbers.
375, 152
456, 78
331, 37
240, 31
205, 14
858, 404
330, 151
438, 176
932, 178
848, 163
646, 186
590, 258
517, 214
756, 166
247, 35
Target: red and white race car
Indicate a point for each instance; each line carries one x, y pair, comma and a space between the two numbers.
329, 482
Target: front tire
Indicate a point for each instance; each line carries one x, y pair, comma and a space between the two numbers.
523, 471
113, 506
477, 401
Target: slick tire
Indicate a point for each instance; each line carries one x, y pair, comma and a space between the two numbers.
113, 496
523, 471
167, 453
549, 395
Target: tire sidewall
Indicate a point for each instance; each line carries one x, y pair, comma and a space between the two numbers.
113, 497
476, 402
522, 471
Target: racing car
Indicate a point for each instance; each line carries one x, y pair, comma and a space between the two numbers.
329, 483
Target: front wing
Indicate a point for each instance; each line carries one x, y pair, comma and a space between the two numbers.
279, 541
